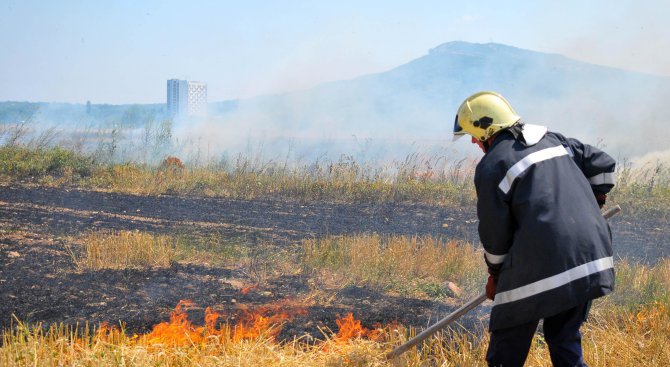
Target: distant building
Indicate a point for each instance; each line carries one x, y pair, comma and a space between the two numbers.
186, 98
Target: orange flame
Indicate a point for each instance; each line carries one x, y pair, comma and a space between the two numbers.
179, 331
249, 323
107, 333
350, 328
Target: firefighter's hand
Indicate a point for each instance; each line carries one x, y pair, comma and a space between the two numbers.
491, 287
601, 198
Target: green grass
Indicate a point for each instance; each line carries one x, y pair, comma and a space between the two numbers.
21, 163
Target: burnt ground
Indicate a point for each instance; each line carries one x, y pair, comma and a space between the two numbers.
39, 282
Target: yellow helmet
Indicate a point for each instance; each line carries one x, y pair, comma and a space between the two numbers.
484, 114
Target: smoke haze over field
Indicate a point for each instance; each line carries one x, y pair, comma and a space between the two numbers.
387, 116
412, 106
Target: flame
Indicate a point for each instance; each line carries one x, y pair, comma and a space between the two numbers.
243, 324
250, 324
351, 328
253, 325
107, 333
180, 331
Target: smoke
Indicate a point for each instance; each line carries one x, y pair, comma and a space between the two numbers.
629, 34
627, 125
259, 137
653, 159
385, 117
363, 122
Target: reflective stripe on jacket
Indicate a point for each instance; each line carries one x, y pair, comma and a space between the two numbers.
541, 227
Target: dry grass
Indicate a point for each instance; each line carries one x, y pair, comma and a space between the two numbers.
642, 190
638, 336
403, 263
97, 250
438, 180
304, 183
640, 284
429, 179
124, 249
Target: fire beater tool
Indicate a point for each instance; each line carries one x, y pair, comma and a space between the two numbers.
609, 213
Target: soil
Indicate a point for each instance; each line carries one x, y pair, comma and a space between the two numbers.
39, 281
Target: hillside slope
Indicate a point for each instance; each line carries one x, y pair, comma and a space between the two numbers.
418, 99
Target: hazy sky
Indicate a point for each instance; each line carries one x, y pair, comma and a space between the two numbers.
124, 51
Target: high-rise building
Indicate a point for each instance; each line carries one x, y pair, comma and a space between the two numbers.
186, 98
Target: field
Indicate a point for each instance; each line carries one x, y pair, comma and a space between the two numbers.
251, 263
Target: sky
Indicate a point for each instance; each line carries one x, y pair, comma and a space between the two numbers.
122, 52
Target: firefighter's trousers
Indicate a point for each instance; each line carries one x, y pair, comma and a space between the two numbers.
509, 347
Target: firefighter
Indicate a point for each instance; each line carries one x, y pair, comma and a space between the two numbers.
547, 247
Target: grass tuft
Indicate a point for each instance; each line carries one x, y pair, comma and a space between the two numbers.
123, 250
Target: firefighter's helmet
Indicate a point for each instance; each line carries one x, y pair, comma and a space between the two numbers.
482, 115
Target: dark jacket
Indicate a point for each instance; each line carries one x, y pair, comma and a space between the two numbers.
540, 224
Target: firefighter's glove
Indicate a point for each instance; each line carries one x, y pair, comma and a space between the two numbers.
601, 198
491, 287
